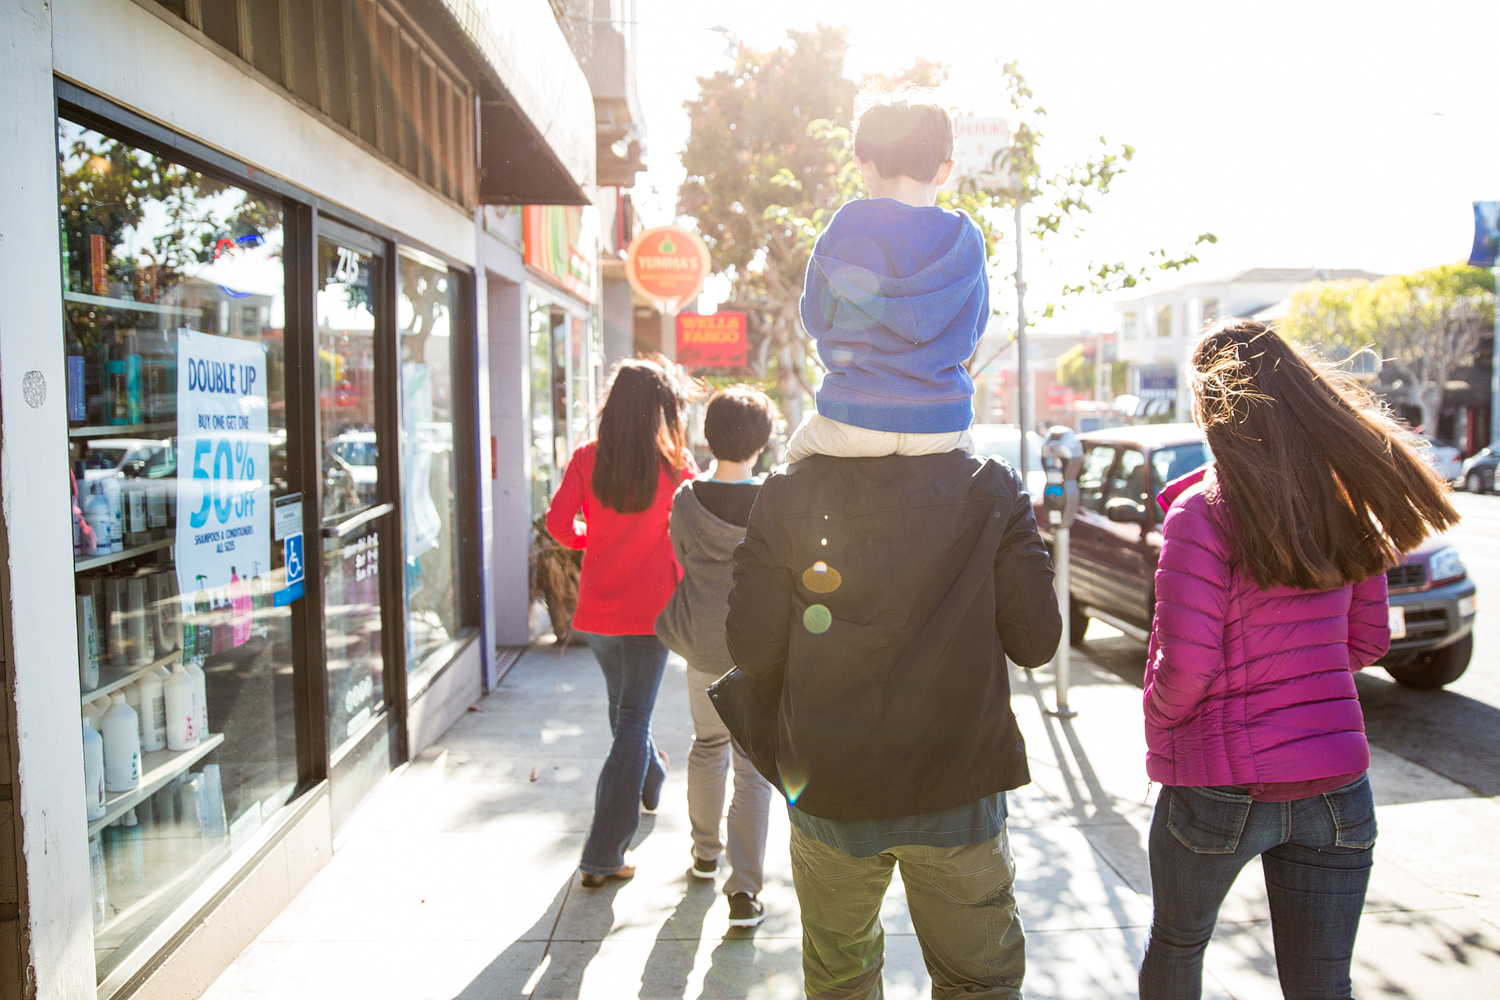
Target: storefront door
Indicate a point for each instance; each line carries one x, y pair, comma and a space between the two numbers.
359, 531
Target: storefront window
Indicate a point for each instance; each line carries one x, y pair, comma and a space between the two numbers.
352, 622
425, 315
173, 288
543, 471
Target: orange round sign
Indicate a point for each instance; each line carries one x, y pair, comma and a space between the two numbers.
667, 265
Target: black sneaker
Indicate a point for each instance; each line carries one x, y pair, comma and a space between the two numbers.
745, 910
704, 869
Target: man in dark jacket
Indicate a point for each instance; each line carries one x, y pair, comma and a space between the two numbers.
881, 596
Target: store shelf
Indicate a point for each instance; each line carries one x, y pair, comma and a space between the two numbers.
157, 768
122, 430
131, 305
82, 563
111, 679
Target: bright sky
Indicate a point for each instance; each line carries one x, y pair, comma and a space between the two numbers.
1328, 133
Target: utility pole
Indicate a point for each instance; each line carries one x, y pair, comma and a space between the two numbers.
1022, 383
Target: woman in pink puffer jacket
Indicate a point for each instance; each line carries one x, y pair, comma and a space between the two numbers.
1270, 593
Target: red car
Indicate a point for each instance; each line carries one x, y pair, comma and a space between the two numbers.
1116, 538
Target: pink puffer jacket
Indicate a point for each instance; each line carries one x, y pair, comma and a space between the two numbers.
1245, 685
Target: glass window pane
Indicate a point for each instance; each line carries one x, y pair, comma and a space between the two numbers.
1129, 480
543, 473
1168, 464
1091, 478
173, 297
347, 291
425, 314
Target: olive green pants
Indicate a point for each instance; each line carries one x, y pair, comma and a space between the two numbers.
962, 906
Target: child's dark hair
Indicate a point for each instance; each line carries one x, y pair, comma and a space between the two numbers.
904, 136
738, 422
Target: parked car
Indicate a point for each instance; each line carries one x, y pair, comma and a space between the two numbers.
1478, 471
1116, 538
1442, 457
1004, 441
106, 456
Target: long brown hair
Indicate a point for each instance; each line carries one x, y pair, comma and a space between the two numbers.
641, 429
1322, 487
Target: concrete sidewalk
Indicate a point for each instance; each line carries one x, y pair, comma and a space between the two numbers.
461, 881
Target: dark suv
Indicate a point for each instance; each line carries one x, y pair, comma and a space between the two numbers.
1117, 536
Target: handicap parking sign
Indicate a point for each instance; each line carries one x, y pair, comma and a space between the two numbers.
295, 570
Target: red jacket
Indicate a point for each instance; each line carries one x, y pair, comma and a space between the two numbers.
1244, 685
629, 571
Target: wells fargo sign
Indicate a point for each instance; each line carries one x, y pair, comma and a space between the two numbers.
718, 340
667, 265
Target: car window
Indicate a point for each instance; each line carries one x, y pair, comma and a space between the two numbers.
1172, 463
1129, 480
1091, 484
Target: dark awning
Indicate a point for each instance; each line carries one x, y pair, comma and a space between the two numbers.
536, 113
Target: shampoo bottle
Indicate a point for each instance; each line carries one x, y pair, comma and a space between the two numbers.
88, 650
97, 514
122, 746
142, 645
239, 599
200, 698
112, 493
93, 771
100, 878
153, 712
182, 712
132, 695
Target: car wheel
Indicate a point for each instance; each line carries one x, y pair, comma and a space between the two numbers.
1474, 483
1432, 670
1078, 622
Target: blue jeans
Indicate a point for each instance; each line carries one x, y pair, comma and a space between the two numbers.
632, 666
1316, 853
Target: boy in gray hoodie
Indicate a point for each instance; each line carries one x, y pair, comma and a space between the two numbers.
709, 515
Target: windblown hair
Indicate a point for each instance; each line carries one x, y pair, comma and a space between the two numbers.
1321, 486
641, 429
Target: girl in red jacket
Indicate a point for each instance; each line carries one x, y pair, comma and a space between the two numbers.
622, 484
1270, 593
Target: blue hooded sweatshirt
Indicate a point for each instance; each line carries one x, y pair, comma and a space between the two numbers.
897, 298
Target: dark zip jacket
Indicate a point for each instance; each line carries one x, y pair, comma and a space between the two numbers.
879, 597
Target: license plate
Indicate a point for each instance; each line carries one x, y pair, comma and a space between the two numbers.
1398, 623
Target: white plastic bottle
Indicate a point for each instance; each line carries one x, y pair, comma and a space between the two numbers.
133, 699
122, 746
182, 710
93, 771
200, 696
100, 521
115, 495
153, 712
93, 713
100, 877
88, 648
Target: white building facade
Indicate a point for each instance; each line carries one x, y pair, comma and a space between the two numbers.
1156, 330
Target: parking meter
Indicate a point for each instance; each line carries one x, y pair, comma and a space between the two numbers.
1062, 457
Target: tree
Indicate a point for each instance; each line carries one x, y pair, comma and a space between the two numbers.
770, 159
1425, 325
758, 139
1076, 371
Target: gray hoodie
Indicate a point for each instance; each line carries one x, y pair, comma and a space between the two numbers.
692, 623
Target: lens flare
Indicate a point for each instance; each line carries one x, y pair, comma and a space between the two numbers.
793, 783
820, 578
817, 619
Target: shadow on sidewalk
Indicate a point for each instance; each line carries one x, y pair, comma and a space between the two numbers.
1092, 807
515, 972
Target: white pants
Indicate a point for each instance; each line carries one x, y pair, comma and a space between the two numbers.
818, 435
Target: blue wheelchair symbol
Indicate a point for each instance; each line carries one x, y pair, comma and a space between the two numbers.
294, 567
